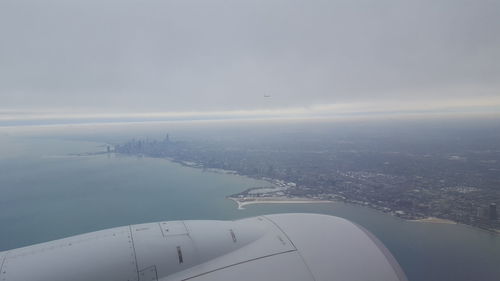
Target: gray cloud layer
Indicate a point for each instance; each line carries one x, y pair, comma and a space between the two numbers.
126, 55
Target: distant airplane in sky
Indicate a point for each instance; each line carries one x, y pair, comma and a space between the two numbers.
282, 247
267, 96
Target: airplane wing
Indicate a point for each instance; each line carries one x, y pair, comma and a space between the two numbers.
274, 247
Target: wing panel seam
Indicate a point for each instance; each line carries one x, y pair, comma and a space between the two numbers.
161, 229
133, 249
238, 263
3, 261
300, 255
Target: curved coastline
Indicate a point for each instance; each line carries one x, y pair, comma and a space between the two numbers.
274, 200
242, 202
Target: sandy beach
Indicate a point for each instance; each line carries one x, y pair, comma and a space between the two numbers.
435, 220
242, 202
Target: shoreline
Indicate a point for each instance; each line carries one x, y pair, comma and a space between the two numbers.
274, 200
434, 220
241, 203
297, 200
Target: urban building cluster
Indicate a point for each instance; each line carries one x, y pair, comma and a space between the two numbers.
401, 182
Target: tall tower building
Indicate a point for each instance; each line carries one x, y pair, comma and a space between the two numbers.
493, 211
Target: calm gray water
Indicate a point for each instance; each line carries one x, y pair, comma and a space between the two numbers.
47, 194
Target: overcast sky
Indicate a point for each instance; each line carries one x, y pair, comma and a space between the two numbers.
125, 56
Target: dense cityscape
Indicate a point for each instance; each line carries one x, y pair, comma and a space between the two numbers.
411, 181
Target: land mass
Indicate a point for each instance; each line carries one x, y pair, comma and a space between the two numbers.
410, 182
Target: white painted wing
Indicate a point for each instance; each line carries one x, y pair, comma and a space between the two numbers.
275, 247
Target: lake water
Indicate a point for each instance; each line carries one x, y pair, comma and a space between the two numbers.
46, 194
